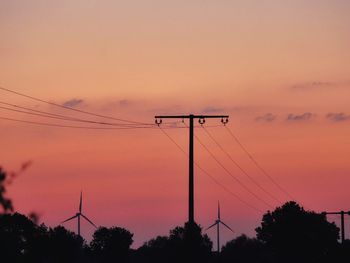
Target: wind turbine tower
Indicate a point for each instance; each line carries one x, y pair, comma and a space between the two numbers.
79, 214
217, 224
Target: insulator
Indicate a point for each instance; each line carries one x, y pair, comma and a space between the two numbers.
158, 121
224, 121
201, 121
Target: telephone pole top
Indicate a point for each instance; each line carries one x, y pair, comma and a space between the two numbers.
201, 120
342, 224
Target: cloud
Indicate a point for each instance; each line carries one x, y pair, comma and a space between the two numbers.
337, 117
301, 117
315, 85
73, 102
211, 109
124, 103
268, 117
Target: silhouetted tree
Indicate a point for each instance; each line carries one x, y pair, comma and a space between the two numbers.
295, 235
63, 246
343, 252
184, 244
189, 243
5, 203
111, 244
20, 239
156, 251
243, 250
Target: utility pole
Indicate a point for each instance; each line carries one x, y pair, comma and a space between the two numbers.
201, 120
342, 224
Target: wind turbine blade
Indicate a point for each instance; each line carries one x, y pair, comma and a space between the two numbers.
211, 226
218, 210
227, 226
69, 219
81, 201
87, 219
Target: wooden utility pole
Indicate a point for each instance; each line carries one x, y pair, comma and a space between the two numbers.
342, 224
201, 119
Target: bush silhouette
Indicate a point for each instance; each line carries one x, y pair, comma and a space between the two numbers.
292, 234
5, 203
64, 245
20, 239
111, 244
184, 244
243, 250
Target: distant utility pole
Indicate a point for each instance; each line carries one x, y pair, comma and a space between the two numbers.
201, 120
342, 226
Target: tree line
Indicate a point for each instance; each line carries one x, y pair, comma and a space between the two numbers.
287, 234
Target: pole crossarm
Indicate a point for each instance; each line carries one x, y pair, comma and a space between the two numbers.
336, 213
191, 117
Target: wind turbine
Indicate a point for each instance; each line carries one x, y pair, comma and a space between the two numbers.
79, 214
217, 224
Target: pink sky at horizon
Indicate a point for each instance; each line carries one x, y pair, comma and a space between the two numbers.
258, 61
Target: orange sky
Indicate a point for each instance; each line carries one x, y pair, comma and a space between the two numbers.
258, 61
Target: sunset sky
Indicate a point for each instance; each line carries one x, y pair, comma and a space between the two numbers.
280, 69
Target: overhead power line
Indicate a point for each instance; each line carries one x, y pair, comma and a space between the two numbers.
59, 116
72, 109
112, 126
241, 168
210, 176
29, 111
228, 171
258, 165
72, 126
232, 176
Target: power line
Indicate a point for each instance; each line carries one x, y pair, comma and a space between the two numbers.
119, 127
72, 126
258, 165
240, 167
210, 176
230, 174
59, 116
64, 118
72, 109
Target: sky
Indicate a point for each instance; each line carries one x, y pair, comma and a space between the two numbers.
280, 69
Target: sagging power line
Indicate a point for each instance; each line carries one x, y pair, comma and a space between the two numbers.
72, 109
231, 174
45, 114
226, 189
240, 167
264, 172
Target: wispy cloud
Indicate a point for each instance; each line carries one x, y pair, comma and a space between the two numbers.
338, 117
314, 85
124, 103
268, 117
72, 102
211, 109
300, 117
